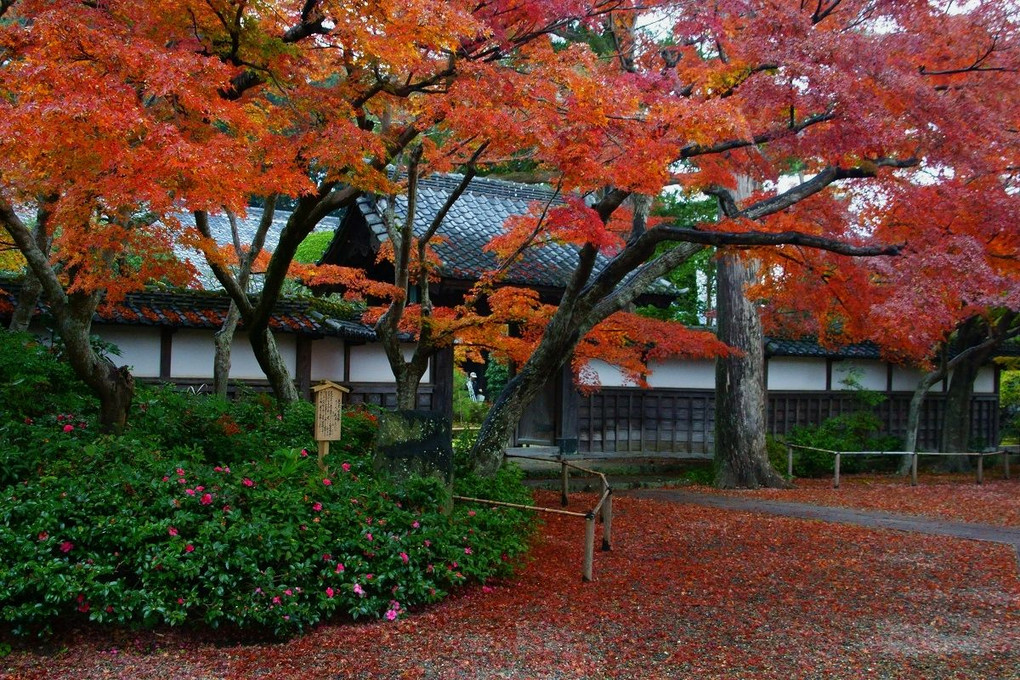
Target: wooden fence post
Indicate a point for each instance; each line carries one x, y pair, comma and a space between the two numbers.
913, 469
789, 461
981, 469
835, 483
564, 483
607, 522
589, 545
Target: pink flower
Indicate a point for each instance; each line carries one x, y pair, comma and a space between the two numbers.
43, 535
288, 592
415, 525
317, 506
173, 531
226, 470
391, 615
329, 593
189, 548
467, 551
304, 453
279, 417
66, 547
276, 599
327, 482
206, 499
486, 589
471, 513
180, 471
327, 558
358, 590
199, 488
166, 479
339, 567
404, 557
368, 536
68, 428
346, 467
247, 482
190, 492
180, 600
218, 469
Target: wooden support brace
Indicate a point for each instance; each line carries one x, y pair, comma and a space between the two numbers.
913, 469
789, 462
564, 484
607, 522
981, 469
835, 481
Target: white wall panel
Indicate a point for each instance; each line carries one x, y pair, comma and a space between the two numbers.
139, 347
683, 374
369, 364
797, 373
328, 359
871, 375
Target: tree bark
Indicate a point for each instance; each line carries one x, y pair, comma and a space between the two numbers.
32, 288
223, 340
956, 416
741, 457
263, 345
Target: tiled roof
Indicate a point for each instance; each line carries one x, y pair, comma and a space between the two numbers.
476, 217
193, 309
809, 347
219, 229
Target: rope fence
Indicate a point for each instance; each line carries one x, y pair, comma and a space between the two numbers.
913, 462
603, 509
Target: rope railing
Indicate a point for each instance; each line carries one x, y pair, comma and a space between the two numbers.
603, 508
913, 462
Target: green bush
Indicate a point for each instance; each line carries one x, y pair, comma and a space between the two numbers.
217, 513
857, 431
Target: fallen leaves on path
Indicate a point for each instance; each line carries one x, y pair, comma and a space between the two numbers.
950, 497
687, 592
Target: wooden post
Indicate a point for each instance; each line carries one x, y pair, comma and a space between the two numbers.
913, 469
835, 483
981, 469
329, 399
564, 483
589, 545
607, 522
789, 461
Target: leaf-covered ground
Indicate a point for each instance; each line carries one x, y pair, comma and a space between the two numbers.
687, 592
949, 497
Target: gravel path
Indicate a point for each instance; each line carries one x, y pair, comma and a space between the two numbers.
822, 513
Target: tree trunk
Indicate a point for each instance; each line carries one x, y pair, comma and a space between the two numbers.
114, 386
741, 457
499, 424
263, 344
223, 339
28, 298
956, 419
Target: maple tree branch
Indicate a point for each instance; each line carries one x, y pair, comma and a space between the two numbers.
692, 150
5, 5
437, 221
222, 274
37, 260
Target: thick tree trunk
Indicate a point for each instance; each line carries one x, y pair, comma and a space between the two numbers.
263, 345
956, 417
223, 339
499, 424
28, 298
741, 457
114, 386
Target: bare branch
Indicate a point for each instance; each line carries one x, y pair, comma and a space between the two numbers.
222, 274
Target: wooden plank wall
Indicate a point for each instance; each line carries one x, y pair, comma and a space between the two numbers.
633, 421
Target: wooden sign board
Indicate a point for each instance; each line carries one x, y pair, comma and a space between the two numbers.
328, 410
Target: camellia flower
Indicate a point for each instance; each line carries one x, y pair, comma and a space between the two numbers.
43, 535
391, 615
66, 547
404, 557
206, 499
190, 492
346, 467
415, 525
329, 592
189, 548
317, 506
68, 428
173, 531
467, 551
339, 567
327, 482
358, 590
247, 482
304, 453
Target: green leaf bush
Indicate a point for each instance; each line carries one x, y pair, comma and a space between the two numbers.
204, 512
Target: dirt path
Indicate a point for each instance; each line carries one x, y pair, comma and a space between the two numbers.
823, 513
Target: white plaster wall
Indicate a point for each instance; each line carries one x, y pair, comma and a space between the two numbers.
796, 373
609, 375
138, 345
193, 353
328, 359
906, 380
369, 364
985, 381
680, 373
871, 375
